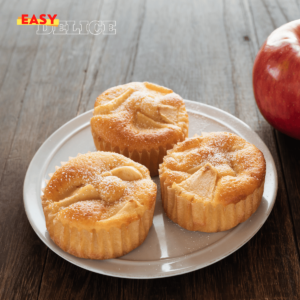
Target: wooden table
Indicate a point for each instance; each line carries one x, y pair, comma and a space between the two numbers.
203, 50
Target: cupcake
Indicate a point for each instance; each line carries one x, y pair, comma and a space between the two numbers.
212, 182
139, 120
99, 205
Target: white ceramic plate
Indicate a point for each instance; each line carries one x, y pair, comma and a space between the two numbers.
169, 249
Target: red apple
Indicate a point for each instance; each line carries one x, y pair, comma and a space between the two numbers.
276, 79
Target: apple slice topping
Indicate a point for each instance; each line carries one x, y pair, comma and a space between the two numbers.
144, 122
202, 183
114, 104
125, 173
222, 169
111, 188
168, 113
194, 169
87, 192
157, 88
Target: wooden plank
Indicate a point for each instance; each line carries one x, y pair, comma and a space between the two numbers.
205, 55
289, 149
47, 99
113, 57
18, 50
9, 33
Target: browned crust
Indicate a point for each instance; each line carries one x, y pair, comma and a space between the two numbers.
81, 233
231, 192
245, 159
118, 129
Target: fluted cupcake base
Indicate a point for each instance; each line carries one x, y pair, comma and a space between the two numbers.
99, 243
150, 159
206, 216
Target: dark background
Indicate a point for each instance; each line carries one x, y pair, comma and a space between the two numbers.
204, 51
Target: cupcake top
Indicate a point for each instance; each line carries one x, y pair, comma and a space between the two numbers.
218, 167
140, 116
99, 190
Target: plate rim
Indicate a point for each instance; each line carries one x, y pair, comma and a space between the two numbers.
73, 259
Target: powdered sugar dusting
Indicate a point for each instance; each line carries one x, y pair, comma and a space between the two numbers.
108, 194
240, 165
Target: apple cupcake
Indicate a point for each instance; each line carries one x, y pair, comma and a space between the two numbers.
139, 120
212, 182
99, 205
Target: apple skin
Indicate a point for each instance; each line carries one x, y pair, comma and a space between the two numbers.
276, 79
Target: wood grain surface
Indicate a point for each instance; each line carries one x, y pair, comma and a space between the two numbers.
204, 50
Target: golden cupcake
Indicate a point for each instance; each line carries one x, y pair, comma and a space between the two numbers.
212, 182
99, 205
140, 120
